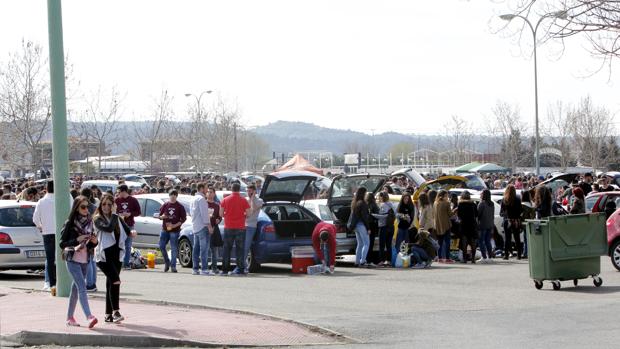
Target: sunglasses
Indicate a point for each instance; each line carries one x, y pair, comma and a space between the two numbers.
83, 207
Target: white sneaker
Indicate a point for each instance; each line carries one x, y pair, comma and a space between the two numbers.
205, 273
195, 272
46, 287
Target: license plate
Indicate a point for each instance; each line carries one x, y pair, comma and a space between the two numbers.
35, 254
341, 235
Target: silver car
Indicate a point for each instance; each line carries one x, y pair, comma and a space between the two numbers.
21, 244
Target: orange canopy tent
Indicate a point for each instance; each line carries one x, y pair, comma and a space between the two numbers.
300, 164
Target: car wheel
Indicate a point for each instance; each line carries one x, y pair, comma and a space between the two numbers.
615, 254
253, 265
185, 253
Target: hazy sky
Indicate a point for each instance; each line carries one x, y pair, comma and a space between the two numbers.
372, 66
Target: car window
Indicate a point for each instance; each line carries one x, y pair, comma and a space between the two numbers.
590, 201
294, 213
141, 202
17, 217
152, 207
346, 187
296, 186
273, 212
310, 207
555, 185
326, 214
476, 183
617, 201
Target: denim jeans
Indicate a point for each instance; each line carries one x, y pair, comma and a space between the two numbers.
485, 243
444, 245
49, 244
363, 242
325, 249
524, 243
249, 238
385, 243
236, 237
91, 273
401, 235
214, 252
200, 250
78, 288
128, 244
418, 255
173, 238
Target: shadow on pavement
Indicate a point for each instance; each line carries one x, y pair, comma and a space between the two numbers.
587, 288
10, 276
144, 329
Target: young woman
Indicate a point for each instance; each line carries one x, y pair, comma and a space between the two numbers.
385, 222
486, 224
425, 213
511, 211
78, 241
529, 212
215, 242
373, 228
111, 233
543, 202
468, 218
405, 214
360, 222
443, 212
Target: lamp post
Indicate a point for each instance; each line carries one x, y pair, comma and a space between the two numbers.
510, 17
199, 115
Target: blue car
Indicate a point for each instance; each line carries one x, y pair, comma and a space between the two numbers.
282, 224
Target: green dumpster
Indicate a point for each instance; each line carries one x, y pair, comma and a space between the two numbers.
566, 248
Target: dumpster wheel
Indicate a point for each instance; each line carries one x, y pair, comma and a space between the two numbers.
556, 285
538, 284
575, 282
597, 281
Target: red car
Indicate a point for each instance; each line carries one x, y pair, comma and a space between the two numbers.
596, 202
613, 238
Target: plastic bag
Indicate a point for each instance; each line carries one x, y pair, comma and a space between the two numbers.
402, 260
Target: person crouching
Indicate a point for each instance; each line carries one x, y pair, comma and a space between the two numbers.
324, 244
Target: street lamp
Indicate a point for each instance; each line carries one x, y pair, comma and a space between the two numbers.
510, 17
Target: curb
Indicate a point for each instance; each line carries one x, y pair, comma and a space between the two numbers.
32, 338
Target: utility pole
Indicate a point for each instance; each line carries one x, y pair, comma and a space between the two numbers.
60, 144
235, 140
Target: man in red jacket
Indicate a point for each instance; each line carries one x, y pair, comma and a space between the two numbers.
235, 209
324, 244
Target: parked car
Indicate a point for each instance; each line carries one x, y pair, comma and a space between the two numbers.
283, 222
614, 178
559, 181
613, 238
21, 244
148, 225
135, 178
105, 185
595, 202
320, 209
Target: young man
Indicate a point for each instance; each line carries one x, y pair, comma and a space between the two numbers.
45, 221
216, 238
127, 207
251, 220
201, 225
324, 244
173, 215
235, 208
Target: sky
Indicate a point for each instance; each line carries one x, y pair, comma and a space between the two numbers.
365, 65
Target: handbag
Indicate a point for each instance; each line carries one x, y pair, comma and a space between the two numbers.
67, 254
216, 237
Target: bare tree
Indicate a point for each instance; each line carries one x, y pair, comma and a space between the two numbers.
510, 129
558, 128
99, 122
459, 138
24, 102
590, 126
152, 135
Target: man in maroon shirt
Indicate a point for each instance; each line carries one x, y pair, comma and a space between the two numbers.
324, 244
127, 207
173, 215
235, 210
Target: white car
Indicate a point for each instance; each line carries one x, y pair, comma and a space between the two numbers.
148, 225
110, 185
21, 243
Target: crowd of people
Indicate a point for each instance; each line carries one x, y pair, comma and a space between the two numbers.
99, 230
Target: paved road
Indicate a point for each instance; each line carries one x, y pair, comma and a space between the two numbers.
458, 305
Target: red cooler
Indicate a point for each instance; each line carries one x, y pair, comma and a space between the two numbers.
301, 258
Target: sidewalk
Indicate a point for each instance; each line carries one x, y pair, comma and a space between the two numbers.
35, 318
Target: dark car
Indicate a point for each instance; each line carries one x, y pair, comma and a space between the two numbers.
595, 202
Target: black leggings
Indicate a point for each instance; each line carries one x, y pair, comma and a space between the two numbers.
511, 230
112, 269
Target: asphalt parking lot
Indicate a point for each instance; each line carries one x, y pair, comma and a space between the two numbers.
445, 306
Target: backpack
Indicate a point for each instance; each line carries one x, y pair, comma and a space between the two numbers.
136, 261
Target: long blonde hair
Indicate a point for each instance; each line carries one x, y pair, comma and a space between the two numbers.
510, 194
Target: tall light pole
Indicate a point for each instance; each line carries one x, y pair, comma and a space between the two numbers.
199, 115
510, 17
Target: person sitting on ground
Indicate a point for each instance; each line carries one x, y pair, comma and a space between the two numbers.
324, 244
423, 250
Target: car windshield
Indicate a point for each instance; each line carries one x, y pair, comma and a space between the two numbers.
476, 183
346, 187
293, 186
17, 217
